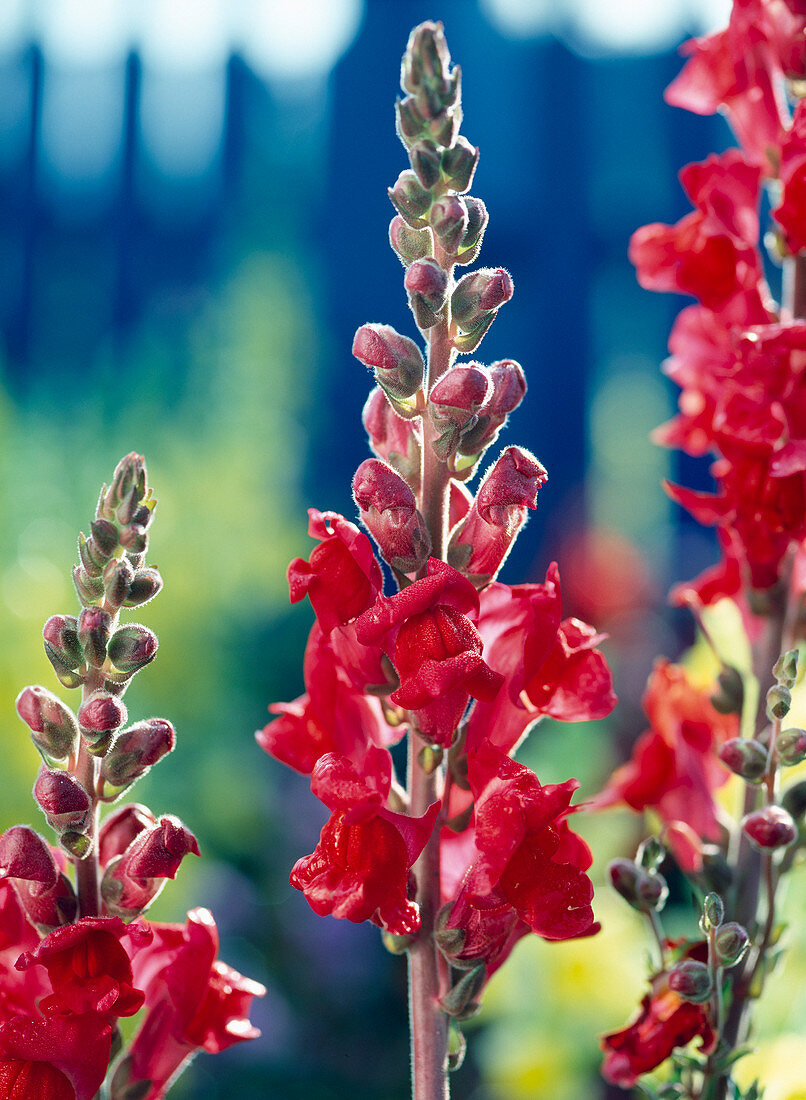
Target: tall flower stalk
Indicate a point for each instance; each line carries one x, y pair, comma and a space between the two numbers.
738, 356
471, 852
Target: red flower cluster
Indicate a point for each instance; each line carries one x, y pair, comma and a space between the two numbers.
738, 359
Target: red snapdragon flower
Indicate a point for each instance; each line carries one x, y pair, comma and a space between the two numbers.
674, 766
331, 717
428, 630
21, 990
359, 870
89, 968
193, 1002
54, 1058
528, 859
342, 577
550, 665
664, 1022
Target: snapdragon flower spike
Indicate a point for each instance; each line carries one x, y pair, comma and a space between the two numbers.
89, 968
53, 726
132, 882
454, 404
396, 360
44, 891
193, 1002
389, 512
333, 715
57, 1058
360, 868
428, 631
342, 577
480, 545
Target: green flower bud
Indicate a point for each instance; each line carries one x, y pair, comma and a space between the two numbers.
462, 995
779, 700
731, 942
785, 669
713, 912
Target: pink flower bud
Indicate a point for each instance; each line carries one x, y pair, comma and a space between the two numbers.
53, 725
478, 293
397, 361
132, 882
791, 746
63, 800
771, 827
94, 625
411, 200
449, 220
410, 244
427, 278
691, 980
120, 828
60, 635
101, 713
136, 749
745, 758
454, 404
643, 890
132, 647
508, 390
395, 440
389, 512
480, 546
45, 893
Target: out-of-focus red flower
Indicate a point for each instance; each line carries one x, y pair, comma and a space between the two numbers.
359, 870
674, 767
528, 858
791, 212
427, 628
665, 1021
193, 1002
89, 968
550, 665
342, 577
711, 253
331, 717
54, 1058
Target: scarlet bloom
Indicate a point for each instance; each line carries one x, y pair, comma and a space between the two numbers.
674, 767
21, 990
360, 868
331, 717
89, 968
342, 577
528, 858
55, 1058
437, 651
193, 1002
664, 1022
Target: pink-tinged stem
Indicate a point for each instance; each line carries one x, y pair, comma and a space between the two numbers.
427, 970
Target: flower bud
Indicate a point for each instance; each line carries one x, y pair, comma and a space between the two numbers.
691, 980
63, 800
397, 361
54, 729
92, 560
100, 714
135, 750
144, 587
130, 474
745, 758
779, 700
94, 625
411, 200
731, 942
104, 535
394, 439
459, 164
477, 219
478, 293
45, 893
454, 404
771, 827
651, 854
713, 912
464, 992
785, 669
449, 222
428, 280
480, 545
60, 635
508, 390
389, 512
790, 745
134, 538
88, 589
117, 576
729, 699
132, 647
410, 123
397, 944
120, 829
643, 891
425, 162
134, 880
410, 244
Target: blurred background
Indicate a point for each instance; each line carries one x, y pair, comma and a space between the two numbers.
193, 220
